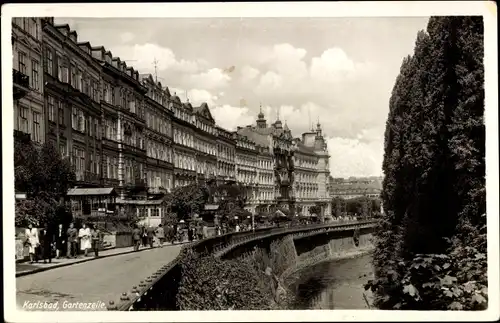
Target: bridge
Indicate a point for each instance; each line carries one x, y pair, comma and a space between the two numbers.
310, 244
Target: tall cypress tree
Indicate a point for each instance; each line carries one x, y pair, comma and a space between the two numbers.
434, 149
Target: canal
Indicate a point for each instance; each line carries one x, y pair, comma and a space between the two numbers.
336, 284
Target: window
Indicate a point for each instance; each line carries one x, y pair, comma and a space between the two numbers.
73, 76
51, 108
79, 80
23, 119
50, 60
62, 149
35, 82
96, 91
22, 62
81, 121
96, 128
91, 128
74, 118
34, 28
36, 127
59, 68
60, 109
25, 24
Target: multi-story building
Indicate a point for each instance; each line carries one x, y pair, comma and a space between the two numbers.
183, 125
72, 95
158, 135
226, 154
123, 116
312, 172
278, 139
125, 131
246, 169
28, 78
306, 176
205, 143
265, 180
355, 187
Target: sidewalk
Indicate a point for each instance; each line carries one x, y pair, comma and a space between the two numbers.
23, 268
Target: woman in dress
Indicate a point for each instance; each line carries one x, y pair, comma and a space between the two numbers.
84, 235
32, 241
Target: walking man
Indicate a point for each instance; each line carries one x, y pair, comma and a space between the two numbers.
72, 235
136, 237
150, 236
60, 241
160, 234
96, 240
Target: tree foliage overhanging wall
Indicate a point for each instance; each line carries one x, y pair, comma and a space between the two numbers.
45, 177
434, 163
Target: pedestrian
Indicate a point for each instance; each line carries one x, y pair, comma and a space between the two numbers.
96, 240
47, 239
61, 238
72, 235
160, 234
33, 242
144, 236
136, 237
190, 234
85, 239
150, 236
237, 229
204, 231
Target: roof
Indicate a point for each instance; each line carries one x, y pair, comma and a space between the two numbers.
140, 202
259, 139
211, 207
90, 191
305, 149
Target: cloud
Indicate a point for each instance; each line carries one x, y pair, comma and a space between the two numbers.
249, 73
229, 117
351, 157
214, 78
196, 96
142, 57
127, 37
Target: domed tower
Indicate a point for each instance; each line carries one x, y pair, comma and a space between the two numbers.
261, 121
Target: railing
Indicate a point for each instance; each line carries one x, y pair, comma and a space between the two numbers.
159, 291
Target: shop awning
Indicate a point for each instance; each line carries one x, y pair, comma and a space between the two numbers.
211, 207
91, 191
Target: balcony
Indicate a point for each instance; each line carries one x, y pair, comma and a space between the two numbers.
21, 84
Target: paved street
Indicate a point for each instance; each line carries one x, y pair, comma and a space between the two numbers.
99, 280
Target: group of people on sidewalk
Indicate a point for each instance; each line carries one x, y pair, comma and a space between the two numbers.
145, 236
64, 241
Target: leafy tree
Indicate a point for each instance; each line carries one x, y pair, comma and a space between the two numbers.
338, 206
187, 200
45, 177
231, 200
315, 209
434, 187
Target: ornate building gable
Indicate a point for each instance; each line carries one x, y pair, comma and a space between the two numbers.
204, 111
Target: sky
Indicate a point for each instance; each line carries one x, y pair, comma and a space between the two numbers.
338, 71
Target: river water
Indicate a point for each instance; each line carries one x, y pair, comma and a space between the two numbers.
336, 284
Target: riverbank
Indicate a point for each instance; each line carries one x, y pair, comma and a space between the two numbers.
336, 282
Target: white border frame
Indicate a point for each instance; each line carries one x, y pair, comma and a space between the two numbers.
292, 9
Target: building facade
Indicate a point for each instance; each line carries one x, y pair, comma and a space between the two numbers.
355, 187
27, 73
124, 130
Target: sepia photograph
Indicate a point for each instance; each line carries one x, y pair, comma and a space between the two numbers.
304, 163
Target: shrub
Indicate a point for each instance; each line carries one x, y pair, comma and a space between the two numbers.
209, 283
